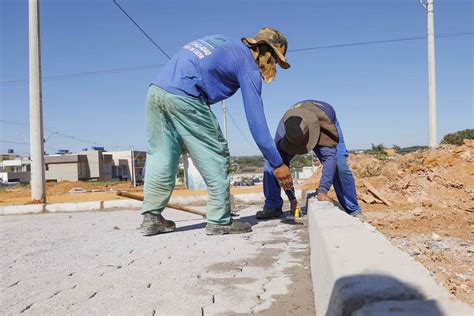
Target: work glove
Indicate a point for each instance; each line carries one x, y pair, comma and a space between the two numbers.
283, 176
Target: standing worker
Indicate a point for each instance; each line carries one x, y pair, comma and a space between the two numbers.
312, 126
204, 72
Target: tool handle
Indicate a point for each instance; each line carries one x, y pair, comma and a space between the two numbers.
173, 206
290, 193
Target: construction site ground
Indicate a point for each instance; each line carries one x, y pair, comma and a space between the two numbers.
430, 216
98, 263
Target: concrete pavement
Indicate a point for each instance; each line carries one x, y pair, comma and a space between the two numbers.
98, 263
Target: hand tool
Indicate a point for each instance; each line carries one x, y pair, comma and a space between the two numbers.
173, 206
291, 196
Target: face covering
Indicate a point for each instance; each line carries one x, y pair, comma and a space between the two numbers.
267, 63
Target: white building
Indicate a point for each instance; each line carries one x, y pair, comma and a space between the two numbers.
14, 168
306, 173
192, 177
125, 163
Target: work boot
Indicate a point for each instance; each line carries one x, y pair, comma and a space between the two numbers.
232, 228
360, 216
269, 212
156, 224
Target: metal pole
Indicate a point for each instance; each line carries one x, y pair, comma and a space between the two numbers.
38, 192
431, 76
224, 111
134, 177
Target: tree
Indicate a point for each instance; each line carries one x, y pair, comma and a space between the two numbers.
378, 148
457, 138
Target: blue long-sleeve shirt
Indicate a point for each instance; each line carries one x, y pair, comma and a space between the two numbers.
326, 155
212, 69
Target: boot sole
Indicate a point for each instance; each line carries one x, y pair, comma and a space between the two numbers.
166, 230
270, 217
227, 232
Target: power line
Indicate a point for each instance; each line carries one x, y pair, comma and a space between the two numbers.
136, 24
60, 133
82, 74
13, 142
238, 128
144, 67
378, 42
22, 143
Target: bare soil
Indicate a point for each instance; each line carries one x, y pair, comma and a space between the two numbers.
431, 216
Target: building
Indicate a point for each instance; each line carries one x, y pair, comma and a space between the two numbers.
70, 167
14, 169
127, 163
100, 164
305, 173
84, 166
192, 177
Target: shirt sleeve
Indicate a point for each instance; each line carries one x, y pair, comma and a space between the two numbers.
327, 156
251, 87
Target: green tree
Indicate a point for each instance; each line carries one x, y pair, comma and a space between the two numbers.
457, 138
300, 161
378, 148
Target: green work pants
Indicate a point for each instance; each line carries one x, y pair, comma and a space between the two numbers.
172, 121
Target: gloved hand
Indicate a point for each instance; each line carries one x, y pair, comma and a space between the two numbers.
283, 176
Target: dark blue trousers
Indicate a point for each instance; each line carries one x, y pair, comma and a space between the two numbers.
343, 181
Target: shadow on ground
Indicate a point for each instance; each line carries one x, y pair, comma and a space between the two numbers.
351, 293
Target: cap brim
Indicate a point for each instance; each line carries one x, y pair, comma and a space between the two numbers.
311, 119
281, 60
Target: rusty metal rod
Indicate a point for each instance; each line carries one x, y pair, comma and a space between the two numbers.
173, 206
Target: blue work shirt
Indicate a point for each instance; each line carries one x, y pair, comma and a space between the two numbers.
326, 155
212, 69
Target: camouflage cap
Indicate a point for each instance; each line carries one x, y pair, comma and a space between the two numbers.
275, 40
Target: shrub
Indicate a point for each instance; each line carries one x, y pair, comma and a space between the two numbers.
457, 138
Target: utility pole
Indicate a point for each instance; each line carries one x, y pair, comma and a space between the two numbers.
134, 176
224, 111
429, 7
38, 192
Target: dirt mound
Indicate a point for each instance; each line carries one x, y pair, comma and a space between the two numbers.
64, 187
440, 178
431, 211
60, 192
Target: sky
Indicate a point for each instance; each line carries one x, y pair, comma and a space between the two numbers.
379, 91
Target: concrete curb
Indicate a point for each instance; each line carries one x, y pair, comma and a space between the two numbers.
70, 207
122, 204
354, 266
22, 209
74, 207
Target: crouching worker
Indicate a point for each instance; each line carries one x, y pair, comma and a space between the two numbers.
204, 72
312, 126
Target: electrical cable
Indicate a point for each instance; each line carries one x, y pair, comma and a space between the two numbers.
139, 27
23, 143
377, 42
61, 134
82, 74
240, 131
295, 50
